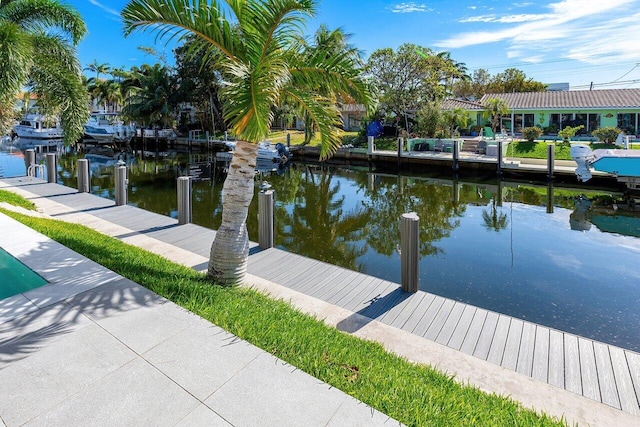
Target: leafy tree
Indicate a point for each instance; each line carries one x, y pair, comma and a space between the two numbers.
494, 109
514, 80
482, 83
37, 47
264, 61
408, 78
428, 119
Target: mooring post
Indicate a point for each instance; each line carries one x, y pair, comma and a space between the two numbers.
550, 198
52, 168
185, 212
499, 168
400, 144
456, 156
551, 158
84, 185
409, 249
30, 157
288, 140
371, 145
265, 216
121, 185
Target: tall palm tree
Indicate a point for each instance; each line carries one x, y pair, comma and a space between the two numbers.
98, 68
494, 109
37, 47
259, 44
153, 92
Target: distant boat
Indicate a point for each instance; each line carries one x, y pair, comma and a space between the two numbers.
107, 128
38, 126
267, 152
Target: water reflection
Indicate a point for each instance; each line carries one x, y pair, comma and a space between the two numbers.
505, 246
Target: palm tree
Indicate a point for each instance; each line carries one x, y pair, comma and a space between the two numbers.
259, 44
493, 220
455, 119
153, 92
98, 68
494, 109
37, 48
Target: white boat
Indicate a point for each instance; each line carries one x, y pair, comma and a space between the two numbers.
38, 126
107, 128
624, 164
266, 152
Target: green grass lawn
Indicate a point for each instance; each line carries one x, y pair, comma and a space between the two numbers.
538, 149
13, 199
413, 394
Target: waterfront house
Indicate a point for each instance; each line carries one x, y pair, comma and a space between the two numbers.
554, 110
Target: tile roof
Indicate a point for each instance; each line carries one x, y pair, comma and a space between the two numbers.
450, 104
610, 98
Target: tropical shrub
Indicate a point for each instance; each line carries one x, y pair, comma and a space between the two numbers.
569, 131
531, 133
429, 117
607, 133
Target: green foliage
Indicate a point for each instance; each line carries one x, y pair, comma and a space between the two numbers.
154, 96
37, 47
494, 108
413, 394
482, 83
260, 48
569, 131
428, 119
607, 134
531, 133
412, 76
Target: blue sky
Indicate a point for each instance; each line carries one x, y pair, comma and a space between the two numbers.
574, 41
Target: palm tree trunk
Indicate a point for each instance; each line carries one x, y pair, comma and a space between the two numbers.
230, 248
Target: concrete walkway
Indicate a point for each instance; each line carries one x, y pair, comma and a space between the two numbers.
93, 348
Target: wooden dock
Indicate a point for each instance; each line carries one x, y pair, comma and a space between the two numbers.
598, 371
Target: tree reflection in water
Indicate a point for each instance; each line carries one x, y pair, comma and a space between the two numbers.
387, 198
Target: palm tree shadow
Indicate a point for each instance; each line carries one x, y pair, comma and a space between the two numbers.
376, 308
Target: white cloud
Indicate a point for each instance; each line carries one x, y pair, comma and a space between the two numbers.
579, 29
105, 8
522, 4
410, 7
509, 19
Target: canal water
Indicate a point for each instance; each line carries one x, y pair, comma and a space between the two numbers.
562, 257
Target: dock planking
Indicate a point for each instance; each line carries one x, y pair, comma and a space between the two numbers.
599, 371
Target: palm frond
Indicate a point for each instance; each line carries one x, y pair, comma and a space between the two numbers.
323, 114
42, 15
55, 76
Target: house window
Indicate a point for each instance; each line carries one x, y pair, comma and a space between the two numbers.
554, 121
593, 122
522, 121
628, 122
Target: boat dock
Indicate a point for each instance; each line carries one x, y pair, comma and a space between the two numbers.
501, 350
468, 161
